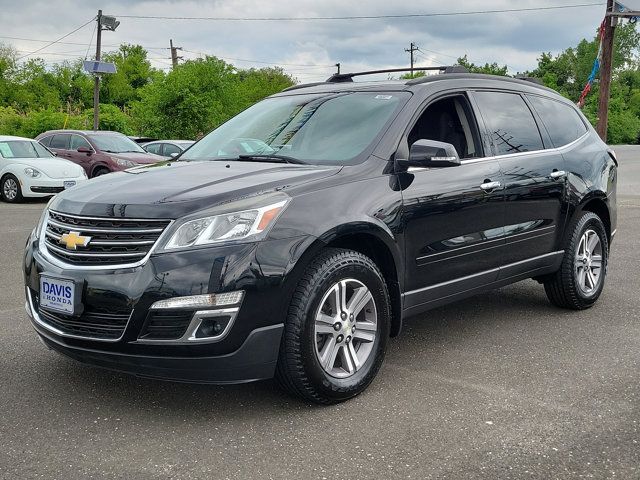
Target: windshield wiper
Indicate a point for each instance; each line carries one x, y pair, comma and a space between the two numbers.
271, 157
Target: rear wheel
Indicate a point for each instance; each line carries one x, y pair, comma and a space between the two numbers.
10, 189
336, 329
580, 280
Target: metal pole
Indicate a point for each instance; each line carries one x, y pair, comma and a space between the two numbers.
96, 85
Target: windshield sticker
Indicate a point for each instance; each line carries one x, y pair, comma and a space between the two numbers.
383, 97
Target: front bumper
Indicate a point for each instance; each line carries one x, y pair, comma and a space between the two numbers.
44, 186
248, 352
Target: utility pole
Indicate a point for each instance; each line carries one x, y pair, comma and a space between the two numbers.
605, 74
338, 67
174, 54
411, 49
96, 85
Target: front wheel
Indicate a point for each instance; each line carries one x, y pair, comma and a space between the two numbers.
10, 189
580, 280
336, 329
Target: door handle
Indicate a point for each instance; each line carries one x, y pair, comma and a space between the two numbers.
488, 186
557, 174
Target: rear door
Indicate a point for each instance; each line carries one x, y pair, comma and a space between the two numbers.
534, 187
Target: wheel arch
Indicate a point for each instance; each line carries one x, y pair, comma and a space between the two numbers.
597, 203
376, 243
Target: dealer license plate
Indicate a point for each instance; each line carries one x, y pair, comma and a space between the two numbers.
57, 294
68, 183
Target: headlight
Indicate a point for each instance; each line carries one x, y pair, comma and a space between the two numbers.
38, 230
126, 163
225, 227
32, 172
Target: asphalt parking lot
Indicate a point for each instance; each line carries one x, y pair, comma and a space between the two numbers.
502, 385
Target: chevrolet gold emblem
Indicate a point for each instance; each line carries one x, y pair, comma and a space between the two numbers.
73, 239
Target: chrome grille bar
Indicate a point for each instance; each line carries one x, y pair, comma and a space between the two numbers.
114, 242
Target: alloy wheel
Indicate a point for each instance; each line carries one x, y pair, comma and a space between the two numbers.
588, 262
345, 328
10, 189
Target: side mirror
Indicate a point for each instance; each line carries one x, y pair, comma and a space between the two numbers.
86, 150
173, 155
431, 154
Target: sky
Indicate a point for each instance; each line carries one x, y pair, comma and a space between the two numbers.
308, 50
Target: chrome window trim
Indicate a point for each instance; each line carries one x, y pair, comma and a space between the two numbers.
31, 311
42, 249
532, 152
189, 337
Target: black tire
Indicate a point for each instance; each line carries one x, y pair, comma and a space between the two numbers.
18, 196
562, 288
100, 171
299, 371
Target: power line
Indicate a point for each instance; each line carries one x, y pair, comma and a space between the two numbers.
93, 32
259, 61
437, 53
366, 17
56, 41
76, 43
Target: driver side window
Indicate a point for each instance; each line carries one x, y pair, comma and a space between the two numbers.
449, 120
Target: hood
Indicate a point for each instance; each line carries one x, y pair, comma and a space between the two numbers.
173, 189
51, 167
142, 158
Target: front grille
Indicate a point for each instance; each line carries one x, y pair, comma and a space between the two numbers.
114, 241
93, 323
166, 324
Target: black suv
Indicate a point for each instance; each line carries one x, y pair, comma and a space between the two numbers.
293, 240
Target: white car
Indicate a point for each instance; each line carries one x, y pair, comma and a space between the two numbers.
27, 169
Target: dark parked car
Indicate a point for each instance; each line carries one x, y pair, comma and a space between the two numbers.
294, 239
98, 152
167, 148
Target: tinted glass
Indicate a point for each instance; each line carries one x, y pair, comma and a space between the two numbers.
562, 121
23, 149
325, 128
60, 141
153, 148
115, 143
170, 148
510, 122
46, 141
77, 141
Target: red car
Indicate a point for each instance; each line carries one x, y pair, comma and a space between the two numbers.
98, 152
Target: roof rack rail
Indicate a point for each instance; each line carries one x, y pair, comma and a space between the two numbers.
527, 78
348, 77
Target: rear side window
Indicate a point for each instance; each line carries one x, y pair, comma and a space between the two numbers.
60, 141
510, 122
562, 121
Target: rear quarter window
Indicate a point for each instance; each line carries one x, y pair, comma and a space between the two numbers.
562, 122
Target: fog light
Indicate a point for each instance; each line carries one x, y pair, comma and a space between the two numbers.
212, 327
201, 301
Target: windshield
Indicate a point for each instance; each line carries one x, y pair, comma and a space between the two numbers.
319, 128
115, 143
23, 149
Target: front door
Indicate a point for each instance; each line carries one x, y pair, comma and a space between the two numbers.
534, 176
453, 216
